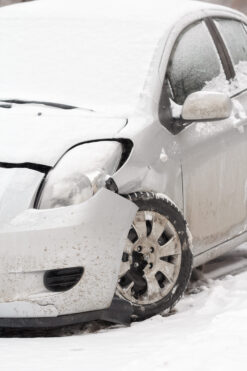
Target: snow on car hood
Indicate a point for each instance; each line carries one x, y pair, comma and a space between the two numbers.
42, 135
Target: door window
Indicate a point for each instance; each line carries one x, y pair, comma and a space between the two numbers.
235, 37
195, 65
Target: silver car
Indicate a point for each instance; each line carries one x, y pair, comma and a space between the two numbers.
123, 155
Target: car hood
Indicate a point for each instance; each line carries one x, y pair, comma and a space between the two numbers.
41, 135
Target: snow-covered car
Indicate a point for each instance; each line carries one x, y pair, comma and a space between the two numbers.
123, 139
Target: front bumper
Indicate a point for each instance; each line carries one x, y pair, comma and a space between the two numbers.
91, 235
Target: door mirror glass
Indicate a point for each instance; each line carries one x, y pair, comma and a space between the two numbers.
201, 106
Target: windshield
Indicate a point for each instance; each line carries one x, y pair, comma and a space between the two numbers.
85, 63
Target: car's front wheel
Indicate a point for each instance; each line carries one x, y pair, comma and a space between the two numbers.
157, 260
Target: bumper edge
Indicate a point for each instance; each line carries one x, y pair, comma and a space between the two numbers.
119, 312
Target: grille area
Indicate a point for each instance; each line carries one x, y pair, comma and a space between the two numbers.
58, 280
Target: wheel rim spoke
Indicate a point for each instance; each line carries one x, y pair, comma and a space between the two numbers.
153, 288
127, 289
167, 269
170, 248
157, 229
125, 267
128, 247
140, 225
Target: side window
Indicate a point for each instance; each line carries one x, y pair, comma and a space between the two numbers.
194, 64
235, 37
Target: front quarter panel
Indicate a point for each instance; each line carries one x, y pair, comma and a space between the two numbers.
154, 163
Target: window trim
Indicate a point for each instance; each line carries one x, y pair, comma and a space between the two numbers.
221, 48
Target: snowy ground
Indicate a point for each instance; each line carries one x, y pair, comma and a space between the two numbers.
207, 332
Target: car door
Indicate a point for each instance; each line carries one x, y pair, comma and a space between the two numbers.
213, 154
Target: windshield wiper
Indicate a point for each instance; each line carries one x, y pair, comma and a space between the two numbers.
5, 105
50, 104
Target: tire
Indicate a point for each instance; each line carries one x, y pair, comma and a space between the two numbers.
155, 270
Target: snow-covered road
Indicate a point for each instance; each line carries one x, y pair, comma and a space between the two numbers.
207, 332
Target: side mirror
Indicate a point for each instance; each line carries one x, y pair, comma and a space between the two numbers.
204, 105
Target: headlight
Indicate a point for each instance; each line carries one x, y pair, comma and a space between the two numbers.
79, 174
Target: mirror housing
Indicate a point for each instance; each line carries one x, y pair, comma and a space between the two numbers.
205, 105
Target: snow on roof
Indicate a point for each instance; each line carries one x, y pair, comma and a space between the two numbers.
94, 53
143, 10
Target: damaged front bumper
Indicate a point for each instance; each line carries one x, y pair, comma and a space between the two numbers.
90, 235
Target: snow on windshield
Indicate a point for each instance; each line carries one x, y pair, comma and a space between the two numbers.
94, 57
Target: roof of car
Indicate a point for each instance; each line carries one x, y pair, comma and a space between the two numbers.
141, 10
